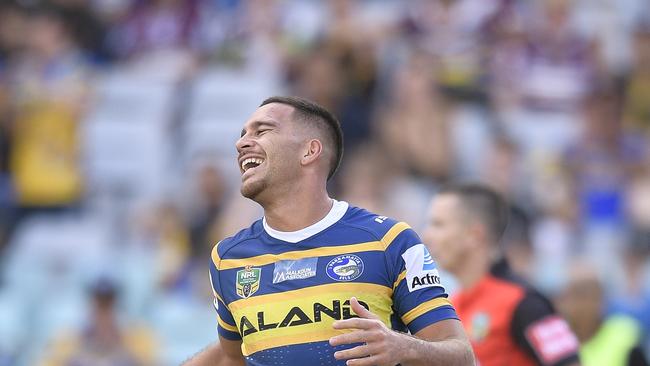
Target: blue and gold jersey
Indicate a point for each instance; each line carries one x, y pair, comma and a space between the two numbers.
279, 292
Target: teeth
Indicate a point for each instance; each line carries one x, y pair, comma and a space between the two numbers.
249, 161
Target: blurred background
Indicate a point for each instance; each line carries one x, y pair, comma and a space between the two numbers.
117, 162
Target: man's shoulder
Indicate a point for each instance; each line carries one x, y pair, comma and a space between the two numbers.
376, 224
251, 232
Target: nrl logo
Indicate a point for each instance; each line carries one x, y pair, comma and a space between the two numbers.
248, 281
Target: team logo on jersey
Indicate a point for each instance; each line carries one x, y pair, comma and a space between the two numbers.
480, 327
294, 270
347, 267
421, 271
248, 281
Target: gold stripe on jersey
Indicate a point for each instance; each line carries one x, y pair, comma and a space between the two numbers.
225, 325
399, 279
424, 308
316, 336
303, 315
263, 259
393, 232
215, 254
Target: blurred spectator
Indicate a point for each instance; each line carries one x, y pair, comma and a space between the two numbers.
637, 94
507, 60
559, 67
632, 297
156, 25
48, 90
350, 43
413, 123
555, 231
503, 172
340, 70
601, 164
86, 27
162, 233
610, 341
603, 159
453, 32
12, 26
12, 31
638, 199
317, 77
206, 202
105, 340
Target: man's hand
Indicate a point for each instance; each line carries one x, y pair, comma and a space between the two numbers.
380, 345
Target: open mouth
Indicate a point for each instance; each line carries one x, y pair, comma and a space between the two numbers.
251, 163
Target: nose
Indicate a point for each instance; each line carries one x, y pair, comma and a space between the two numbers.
242, 143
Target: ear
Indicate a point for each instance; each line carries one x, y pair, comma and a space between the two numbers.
476, 233
313, 151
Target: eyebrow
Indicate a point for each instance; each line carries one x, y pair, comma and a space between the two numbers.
258, 124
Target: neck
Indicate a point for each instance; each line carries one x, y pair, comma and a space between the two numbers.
298, 211
475, 267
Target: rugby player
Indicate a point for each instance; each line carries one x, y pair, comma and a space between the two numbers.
317, 281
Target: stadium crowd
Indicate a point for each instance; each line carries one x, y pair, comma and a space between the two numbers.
117, 162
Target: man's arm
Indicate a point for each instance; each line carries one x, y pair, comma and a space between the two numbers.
222, 353
544, 334
441, 343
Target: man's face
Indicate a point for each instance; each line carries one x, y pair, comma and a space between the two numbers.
269, 150
581, 303
446, 232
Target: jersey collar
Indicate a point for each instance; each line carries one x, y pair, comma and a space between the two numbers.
339, 208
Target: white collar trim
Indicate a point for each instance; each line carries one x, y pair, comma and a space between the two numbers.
339, 208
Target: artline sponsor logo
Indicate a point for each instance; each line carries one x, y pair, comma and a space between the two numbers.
294, 270
296, 316
427, 279
421, 271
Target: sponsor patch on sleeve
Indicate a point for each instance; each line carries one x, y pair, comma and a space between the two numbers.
552, 339
421, 271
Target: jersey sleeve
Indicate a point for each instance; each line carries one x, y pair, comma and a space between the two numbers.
545, 335
419, 298
226, 326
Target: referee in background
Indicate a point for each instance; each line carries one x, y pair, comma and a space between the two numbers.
508, 322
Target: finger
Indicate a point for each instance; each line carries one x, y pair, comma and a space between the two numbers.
365, 361
354, 337
356, 352
360, 310
355, 323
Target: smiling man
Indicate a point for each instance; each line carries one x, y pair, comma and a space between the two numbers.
318, 281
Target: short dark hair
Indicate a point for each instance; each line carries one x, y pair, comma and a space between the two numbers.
312, 112
484, 204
